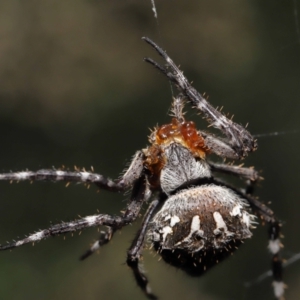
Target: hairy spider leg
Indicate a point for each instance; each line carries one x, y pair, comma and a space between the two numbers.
68, 176
245, 173
131, 174
134, 252
240, 139
275, 245
104, 238
83, 176
115, 222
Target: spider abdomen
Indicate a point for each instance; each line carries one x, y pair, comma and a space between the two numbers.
200, 226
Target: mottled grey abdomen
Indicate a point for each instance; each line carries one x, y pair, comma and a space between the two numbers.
198, 227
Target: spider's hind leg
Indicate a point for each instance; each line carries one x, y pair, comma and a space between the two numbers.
274, 246
267, 216
277, 267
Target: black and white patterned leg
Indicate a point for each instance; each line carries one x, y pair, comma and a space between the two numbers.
115, 222
138, 196
134, 253
105, 237
277, 268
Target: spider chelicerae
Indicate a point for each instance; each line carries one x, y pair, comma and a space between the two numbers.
194, 220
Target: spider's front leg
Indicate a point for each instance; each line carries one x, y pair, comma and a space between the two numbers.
239, 139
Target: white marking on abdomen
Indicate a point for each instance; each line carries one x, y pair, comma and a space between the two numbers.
236, 211
220, 223
165, 231
195, 228
174, 220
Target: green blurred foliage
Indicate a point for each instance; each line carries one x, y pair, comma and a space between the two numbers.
74, 91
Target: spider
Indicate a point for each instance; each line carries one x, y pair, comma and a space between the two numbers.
194, 220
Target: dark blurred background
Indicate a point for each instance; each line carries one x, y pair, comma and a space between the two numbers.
74, 90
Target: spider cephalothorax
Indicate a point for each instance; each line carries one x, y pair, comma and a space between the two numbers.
194, 220
173, 145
